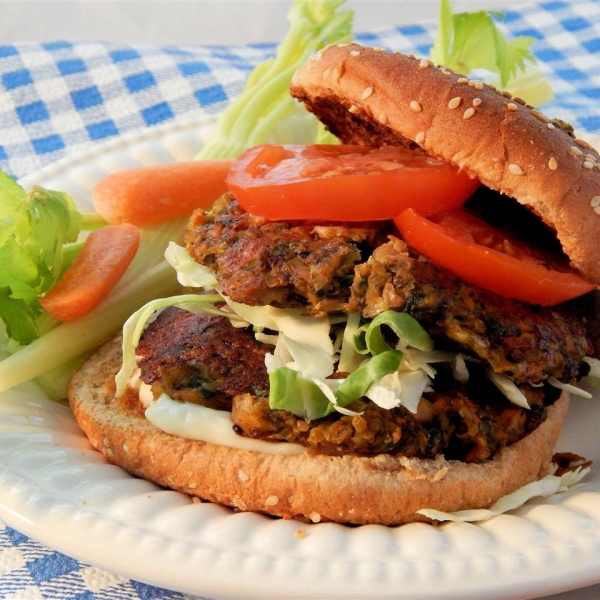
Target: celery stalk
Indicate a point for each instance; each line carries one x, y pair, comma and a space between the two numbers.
73, 338
149, 276
265, 102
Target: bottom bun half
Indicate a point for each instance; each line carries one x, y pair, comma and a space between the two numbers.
384, 489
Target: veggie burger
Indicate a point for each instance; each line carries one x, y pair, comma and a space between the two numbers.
373, 328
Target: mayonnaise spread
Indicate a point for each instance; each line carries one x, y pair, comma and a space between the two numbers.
196, 422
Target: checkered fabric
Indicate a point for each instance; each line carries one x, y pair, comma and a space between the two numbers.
61, 97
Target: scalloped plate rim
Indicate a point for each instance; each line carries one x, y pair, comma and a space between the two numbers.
44, 515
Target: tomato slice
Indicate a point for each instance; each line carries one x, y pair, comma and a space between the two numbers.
344, 183
483, 255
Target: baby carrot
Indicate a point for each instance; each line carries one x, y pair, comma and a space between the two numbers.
157, 193
97, 268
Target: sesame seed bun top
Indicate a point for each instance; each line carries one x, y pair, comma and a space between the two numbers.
372, 97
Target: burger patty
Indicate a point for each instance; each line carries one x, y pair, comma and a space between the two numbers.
448, 423
363, 268
259, 262
201, 359
204, 359
524, 342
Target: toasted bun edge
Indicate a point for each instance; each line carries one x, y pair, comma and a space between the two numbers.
368, 96
385, 489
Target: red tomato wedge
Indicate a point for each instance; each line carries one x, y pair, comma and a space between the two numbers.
97, 268
344, 183
483, 255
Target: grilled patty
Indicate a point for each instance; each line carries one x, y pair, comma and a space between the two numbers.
361, 267
524, 342
201, 359
259, 262
204, 359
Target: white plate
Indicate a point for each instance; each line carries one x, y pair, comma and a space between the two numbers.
56, 489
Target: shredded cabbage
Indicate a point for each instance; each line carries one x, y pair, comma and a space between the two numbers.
572, 389
508, 388
547, 486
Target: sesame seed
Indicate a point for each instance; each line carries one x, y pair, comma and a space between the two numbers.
552, 164
515, 169
335, 73
581, 143
474, 83
590, 157
597, 210
550, 126
489, 85
271, 501
326, 73
415, 106
353, 109
476, 101
420, 137
383, 119
575, 151
424, 63
454, 102
315, 517
300, 533
509, 95
588, 164
366, 93
542, 117
595, 201
511, 106
355, 53
462, 80
518, 100
468, 113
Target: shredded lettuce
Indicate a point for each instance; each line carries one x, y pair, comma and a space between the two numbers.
350, 359
298, 395
265, 112
371, 338
547, 486
358, 383
400, 388
509, 388
471, 41
572, 389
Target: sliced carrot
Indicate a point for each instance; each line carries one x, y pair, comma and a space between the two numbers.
157, 193
99, 266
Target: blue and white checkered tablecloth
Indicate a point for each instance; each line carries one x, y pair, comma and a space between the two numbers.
62, 97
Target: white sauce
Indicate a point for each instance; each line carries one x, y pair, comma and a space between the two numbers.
196, 422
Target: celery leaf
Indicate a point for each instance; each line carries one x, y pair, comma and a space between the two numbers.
472, 40
34, 228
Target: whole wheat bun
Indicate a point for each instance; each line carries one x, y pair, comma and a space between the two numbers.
385, 489
368, 96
